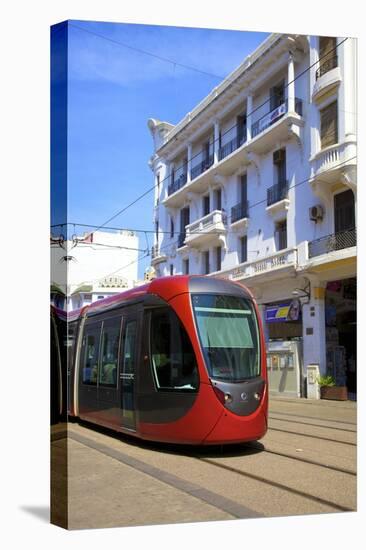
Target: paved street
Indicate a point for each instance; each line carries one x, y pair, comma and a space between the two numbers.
306, 464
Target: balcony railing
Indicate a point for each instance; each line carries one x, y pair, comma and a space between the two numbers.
279, 260
157, 255
202, 167
327, 65
333, 242
232, 145
239, 212
177, 184
273, 116
277, 193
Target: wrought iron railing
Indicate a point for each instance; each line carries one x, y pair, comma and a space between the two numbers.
330, 243
273, 116
239, 211
177, 183
232, 145
277, 192
202, 167
327, 65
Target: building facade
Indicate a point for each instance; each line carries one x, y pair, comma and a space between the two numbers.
258, 184
95, 266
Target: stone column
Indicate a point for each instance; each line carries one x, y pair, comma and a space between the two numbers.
189, 162
291, 84
314, 333
216, 141
249, 117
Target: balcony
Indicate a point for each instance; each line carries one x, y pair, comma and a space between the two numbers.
206, 229
274, 264
326, 66
277, 193
201, 167
330, 164
328, 77
232, 145
239, 215
177, 183
157, 256
332, 243
276, 125
273, 116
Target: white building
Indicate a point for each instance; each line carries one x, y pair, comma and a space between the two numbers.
258, 184
92, 267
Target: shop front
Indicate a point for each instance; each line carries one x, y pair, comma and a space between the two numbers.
283, 325
341, 333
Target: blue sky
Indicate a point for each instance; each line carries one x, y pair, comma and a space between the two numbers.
112, 92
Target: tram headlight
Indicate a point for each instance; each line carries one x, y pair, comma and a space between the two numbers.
228, 398
257, 396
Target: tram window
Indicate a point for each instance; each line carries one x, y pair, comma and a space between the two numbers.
129, 348
229, 336
91, 352
173, 359
109, 359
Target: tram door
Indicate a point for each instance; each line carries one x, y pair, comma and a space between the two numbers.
128, 368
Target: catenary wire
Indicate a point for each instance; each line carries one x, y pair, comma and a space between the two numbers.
172, 244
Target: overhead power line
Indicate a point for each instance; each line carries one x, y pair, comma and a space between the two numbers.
174, 243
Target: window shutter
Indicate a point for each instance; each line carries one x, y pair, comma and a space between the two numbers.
329, 125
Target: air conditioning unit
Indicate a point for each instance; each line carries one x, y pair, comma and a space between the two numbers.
279, 156
316, 213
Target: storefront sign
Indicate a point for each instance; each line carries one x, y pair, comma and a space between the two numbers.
279, 313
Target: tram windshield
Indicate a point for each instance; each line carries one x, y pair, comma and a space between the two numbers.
229, 335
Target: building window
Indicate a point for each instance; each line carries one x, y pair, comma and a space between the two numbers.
344, 211
243, 193
171, 269
186, 266
277, 96
157, 231
241, 128
218, 258
329, 125
279, 161
327, 54
206, 262
206, 205
243, 242
171, 228
218, 199
281, 235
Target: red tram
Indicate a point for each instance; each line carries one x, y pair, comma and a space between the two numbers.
181, 360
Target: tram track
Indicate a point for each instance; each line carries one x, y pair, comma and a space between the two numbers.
325, 426
311, 461
211, 497
281, 486
335, 421
312, 436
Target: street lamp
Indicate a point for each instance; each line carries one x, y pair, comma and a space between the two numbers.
303, 293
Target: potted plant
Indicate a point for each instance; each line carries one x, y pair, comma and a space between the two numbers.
329, 390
